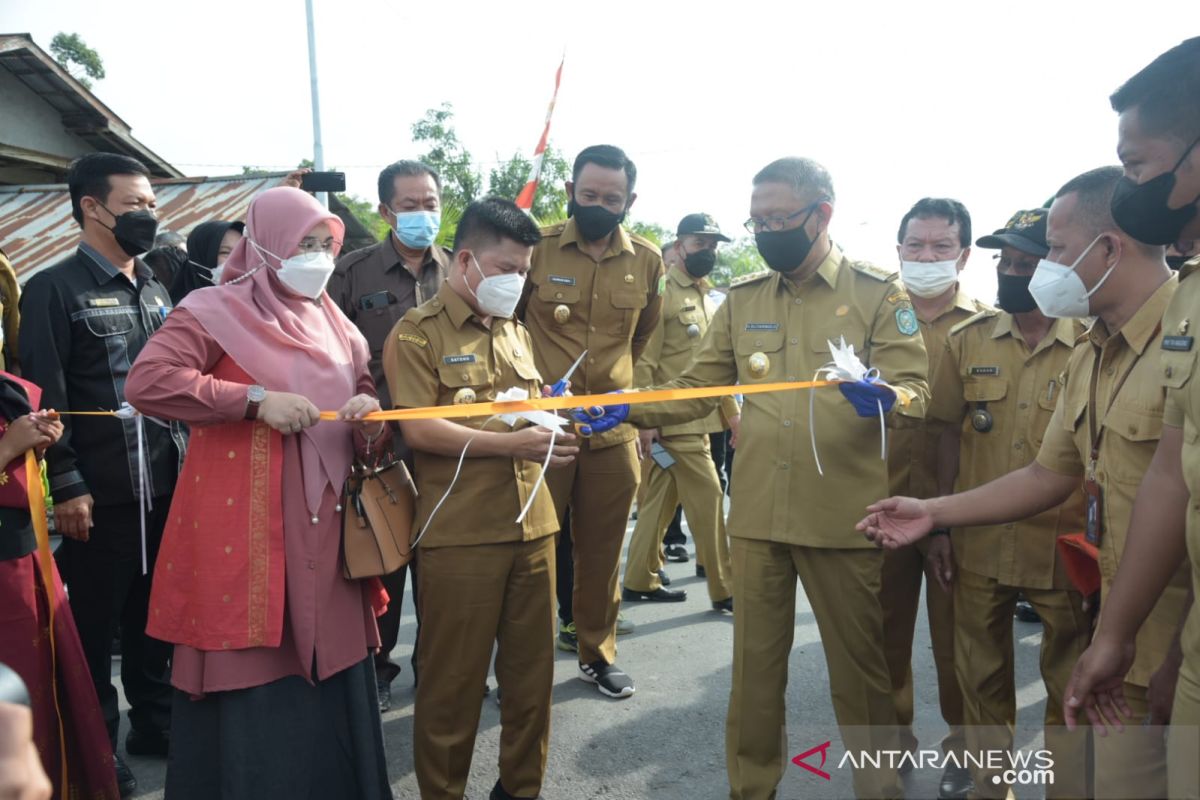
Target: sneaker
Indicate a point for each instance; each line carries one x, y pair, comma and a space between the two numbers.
624, 625
567, 641
610, 680
676, 552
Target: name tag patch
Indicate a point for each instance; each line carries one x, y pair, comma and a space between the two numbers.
465, 358
104, 302
762, 326
562, 280
985, 370
1179, 344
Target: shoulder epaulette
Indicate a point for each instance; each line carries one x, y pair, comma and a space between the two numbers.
637, 238
348, 260
553, 230
979, 316
753, 277
430, 308
878, 273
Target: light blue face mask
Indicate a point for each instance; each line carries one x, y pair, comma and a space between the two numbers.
418, 229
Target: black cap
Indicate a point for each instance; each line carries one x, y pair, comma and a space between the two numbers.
1025, 230
700, 225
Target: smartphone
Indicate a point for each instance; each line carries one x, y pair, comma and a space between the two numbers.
323, 182
376, 300
661, 456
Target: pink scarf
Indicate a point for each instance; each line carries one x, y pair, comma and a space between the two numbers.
284, 342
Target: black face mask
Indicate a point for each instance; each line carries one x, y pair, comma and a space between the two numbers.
700, 263
595, 222
133, 230
1142, 210
1013, 293
784, 251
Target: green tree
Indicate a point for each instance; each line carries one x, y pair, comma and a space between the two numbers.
656, 233
735, 260
69, 49
550, 202
365, 212
461, 180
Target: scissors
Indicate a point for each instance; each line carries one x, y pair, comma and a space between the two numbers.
560, 385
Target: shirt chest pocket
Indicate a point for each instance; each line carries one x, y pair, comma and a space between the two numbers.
108, 322
560, 301
820, 342
465, 383
760, 356
627, 305
1177, 368
1140, 428
984, 396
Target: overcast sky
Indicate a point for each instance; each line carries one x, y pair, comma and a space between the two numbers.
994, 103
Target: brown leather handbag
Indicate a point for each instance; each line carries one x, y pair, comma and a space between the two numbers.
377, 525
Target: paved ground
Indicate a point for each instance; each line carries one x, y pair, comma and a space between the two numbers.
667, 741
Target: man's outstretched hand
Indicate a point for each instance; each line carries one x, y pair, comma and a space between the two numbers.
896, 522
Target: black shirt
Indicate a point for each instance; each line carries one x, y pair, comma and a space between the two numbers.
82, 325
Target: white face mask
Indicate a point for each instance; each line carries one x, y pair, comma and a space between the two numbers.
216, 274
928, 279
1058, 289
305, 274
498, 295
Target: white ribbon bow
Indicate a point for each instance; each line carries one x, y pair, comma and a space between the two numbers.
845, 366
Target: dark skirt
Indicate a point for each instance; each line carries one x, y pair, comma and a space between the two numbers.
288, 740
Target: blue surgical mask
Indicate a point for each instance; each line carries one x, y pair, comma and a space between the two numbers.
418, 229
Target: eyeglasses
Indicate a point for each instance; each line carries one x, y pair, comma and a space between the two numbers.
776, 224
311, 245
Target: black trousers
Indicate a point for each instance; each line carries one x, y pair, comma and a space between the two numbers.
389, 624
108, 592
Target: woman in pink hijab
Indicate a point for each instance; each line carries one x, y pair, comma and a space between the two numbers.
275, 694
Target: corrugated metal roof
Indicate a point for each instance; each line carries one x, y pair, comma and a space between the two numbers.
36, 227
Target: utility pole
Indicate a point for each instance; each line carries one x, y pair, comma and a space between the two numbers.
318, 148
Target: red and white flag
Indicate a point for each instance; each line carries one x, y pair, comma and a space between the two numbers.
525, 198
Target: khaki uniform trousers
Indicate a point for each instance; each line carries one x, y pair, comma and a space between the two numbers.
1132, 763
983, 658
692, 480
1183, 739
843, 589
599, 487
903, 572
472, 598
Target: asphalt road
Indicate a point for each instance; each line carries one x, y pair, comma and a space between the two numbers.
667, 741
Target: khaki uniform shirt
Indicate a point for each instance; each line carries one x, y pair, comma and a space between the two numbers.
375, 290
439, 354
988, 366
772, 329
1183, 411
912, 451
609, 308
1130, 425
687, 311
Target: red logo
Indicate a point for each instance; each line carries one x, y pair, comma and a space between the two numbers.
799, 760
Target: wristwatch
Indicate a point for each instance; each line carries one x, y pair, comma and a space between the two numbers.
254, 397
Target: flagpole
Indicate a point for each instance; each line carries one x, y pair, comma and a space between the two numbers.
318, 148
529, 191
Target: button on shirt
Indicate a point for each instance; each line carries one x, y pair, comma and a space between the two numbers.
437, 352
375, 290
687, 311
777, 494
988, 365
912, 451
1131, 424
612, 307
83, 322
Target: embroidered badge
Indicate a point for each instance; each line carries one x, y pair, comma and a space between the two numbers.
906, 321
465, 358
662, 283
1178, 344
408, 337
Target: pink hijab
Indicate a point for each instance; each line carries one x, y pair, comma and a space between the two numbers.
284, 342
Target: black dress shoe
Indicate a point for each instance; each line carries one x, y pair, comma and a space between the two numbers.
1025, 611
498, 793
700, 573
723, 605
956, 783
677, 553
138, 743
660, 595
663, 578
384, 689
126, 783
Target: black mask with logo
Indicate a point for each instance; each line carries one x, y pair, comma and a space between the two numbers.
1143, 210
594, 222
700, 263
134, 230
784, 251
1013, 295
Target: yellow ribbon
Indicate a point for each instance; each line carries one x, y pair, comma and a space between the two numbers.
41, 530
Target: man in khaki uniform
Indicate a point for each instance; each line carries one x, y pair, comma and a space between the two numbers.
934, 243
1159, 143
485, 579
692, 478
997, 386
1110, 387
786, 520
594, 287
375, 287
